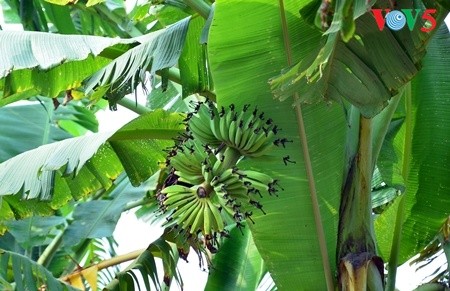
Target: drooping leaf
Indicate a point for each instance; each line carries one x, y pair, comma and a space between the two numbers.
26, 83
193, 64
157, 51
422, 151
366, 71
242, 61
36, 167
146, 265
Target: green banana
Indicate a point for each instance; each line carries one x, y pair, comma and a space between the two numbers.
232, 128
215, 128
175, 189
177, 200
238, 136
234, 186
187, 217
207, 172
198, 221
182, 164
226, 176
202, 132
258, 177
180, 213
219, 225
216, 166
207, 220
250, 141
187, 178
263, 150
199, 153
223, 126
262, 138
241, 193
189, 221
244, 138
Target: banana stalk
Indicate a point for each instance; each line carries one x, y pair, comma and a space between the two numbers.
358, 262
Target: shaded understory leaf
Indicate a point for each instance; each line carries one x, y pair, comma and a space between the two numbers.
26, 274
35, 230
26, 127
98, 218
146, 265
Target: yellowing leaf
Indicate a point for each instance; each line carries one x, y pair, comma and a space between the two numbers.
62, 2
93, 2
76, 281
77, 95
90, 274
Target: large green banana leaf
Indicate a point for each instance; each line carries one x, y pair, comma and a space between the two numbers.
77, 167
242, 60
26, 127
427, 185
237, 265
34, 63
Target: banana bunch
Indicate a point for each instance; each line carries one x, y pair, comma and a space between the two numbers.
192, 209
209, 191
187, 162
199, 124
246, 130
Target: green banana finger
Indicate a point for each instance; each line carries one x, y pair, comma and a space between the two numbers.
175, 189
197, 224
173, 202
180, 213
219, 225
257, 176
188, 222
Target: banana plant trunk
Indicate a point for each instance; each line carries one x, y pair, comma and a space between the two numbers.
359, 267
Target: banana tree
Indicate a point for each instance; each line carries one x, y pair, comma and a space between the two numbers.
358, 117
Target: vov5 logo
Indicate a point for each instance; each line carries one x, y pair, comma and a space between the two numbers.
397, 19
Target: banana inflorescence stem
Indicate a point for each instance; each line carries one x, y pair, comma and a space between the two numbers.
230, 158
356, 243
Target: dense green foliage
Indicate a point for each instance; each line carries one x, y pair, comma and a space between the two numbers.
353, 111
